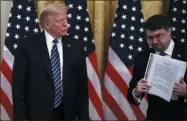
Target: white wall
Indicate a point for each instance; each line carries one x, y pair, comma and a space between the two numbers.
5, 10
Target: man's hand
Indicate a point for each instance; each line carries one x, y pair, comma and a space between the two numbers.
180, 88
142, 87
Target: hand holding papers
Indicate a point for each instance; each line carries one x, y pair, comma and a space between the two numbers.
161, 73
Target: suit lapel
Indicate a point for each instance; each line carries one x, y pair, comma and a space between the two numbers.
66, 58
45, 55
174, 53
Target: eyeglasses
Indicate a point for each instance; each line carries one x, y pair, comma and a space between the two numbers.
159, 36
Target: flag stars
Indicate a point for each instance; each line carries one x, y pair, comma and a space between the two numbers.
70, 6
69, 25
113, 34
10, 15
142, 20
87, 19
140, 39
183, 30
132, 28
7, 34
121, 45
19, 7
122, 36
78, 17
131, 37
174, 9
174, 19
15, 46
36, 20
79, 7
86, 29
133, 9
173, 29
124, 16
85, 48
114, 25
139, 49
76, 37
69, 15
133, 18
27, 18
130, 47
77, 27
85, 39
130, 57
18, 16
9, 25
16, 36
184, 1
28, 8
35, 30
183, 11
17, 26
183, 21
141, 30
26, 28
182, 40
116, 15
123, 26
124, 7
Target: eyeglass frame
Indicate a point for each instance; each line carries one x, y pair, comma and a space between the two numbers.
159, 36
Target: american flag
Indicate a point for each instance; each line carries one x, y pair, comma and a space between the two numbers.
127, 40
178, 15
22, 23
80, 29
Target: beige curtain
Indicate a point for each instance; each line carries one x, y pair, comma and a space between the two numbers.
102, 14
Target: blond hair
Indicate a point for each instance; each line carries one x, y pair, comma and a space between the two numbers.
52, 10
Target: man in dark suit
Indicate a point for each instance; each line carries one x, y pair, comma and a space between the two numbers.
158, 30
49, 74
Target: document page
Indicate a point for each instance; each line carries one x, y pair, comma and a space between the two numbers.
161, 74
180, 73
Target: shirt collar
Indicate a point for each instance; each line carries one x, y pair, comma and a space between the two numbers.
50, 38
169, 50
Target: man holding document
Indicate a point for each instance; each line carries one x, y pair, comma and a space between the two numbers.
173, 107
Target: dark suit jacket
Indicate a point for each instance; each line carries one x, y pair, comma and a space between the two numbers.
158, 109
32, 83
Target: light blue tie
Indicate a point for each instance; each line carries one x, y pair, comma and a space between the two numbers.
55, 65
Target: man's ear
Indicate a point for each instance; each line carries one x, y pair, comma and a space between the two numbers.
47, 26
169, 30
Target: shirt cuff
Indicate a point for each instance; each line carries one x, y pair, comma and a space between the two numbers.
136, 99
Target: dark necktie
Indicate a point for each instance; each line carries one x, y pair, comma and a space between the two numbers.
162, 54
55, 65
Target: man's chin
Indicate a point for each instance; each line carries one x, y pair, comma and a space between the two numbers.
159, 49
64, 34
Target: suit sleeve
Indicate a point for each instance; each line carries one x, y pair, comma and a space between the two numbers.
133, 83
82, 91
19, 77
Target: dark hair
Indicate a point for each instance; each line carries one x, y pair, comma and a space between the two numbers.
156, 22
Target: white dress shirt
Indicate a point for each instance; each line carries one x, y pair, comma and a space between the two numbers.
49, 41
168, 53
